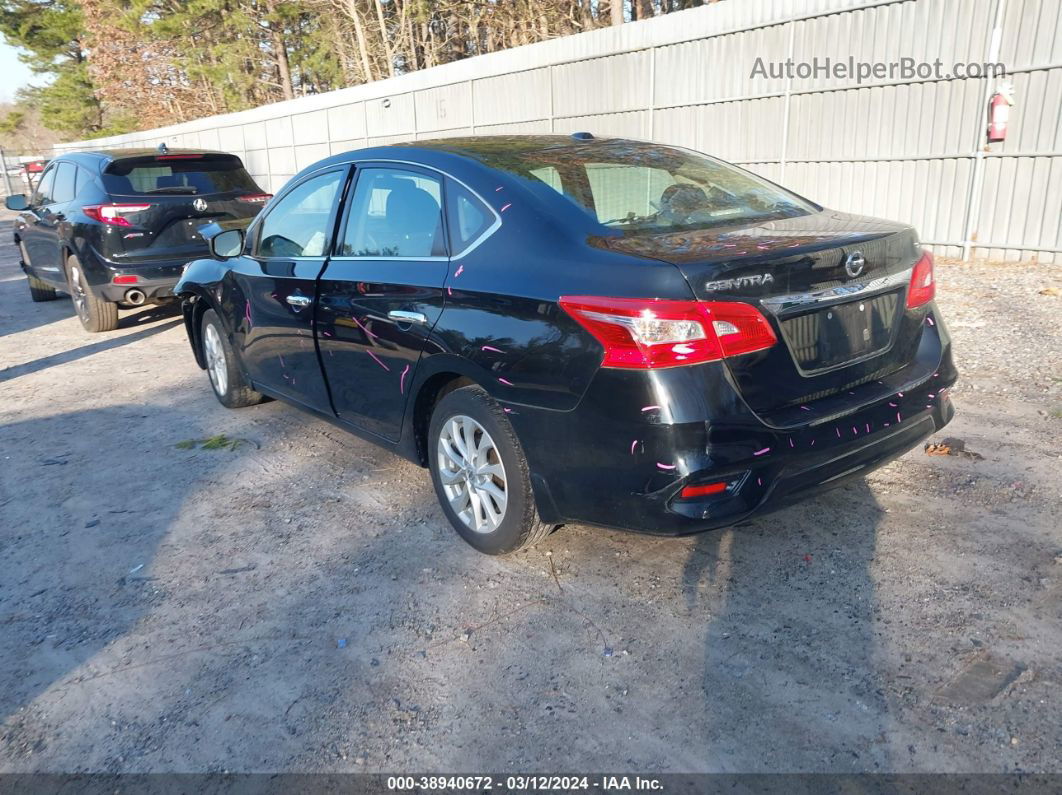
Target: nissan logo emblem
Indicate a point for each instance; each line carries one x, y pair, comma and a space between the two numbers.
855, 263
201, 205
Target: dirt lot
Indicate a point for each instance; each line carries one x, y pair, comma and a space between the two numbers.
299, 603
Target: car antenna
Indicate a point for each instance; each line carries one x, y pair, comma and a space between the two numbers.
583, 136
163, 149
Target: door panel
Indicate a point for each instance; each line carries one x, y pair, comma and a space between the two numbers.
381, 296
39, 235
276, 286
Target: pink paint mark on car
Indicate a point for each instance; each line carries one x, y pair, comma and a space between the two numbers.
898, 417
665, 466
929, 320
764, 451
492, 349
868, 427
505, 207
791, 443
650, 408
459, 271
804, 408
281, 360
247, 313
506, 381
379, 361
633, 445
402, 381
364, 328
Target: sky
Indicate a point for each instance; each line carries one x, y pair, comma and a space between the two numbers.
13, 73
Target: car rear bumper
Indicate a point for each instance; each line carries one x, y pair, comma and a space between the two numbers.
155, 279
623, 457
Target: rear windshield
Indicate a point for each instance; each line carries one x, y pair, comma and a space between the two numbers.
178, 174
633, 186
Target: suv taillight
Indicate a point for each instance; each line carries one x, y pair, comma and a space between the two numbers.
114, 213
923, 284
645, 333
255, 198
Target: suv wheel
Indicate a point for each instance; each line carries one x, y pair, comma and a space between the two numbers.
94, 313
481, 475
231, 388
39, 291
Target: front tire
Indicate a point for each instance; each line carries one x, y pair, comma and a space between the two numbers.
39, 291
481, 475
94, 313
230, 387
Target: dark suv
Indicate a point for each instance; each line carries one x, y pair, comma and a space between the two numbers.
115, 228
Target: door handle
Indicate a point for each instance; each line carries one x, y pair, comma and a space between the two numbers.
400, 316
299, 301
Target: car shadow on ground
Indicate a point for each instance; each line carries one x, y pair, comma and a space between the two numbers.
211, 610
80, 579
105, 342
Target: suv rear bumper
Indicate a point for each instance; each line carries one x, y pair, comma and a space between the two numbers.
622, 458
155, 279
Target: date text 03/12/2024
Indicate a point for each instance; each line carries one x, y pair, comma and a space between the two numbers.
524, 783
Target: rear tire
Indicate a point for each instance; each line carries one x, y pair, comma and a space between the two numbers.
481, 475
39, 291
230, 387
94, 313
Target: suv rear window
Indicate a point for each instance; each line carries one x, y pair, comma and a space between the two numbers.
178, 175
647, 187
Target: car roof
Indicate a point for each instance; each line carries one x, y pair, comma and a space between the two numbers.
86, 156
483, 150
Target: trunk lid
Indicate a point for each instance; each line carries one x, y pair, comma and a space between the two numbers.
837, 328
181, 193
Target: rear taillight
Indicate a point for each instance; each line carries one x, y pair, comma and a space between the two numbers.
255, 198
645, 333
923, 284
114, 214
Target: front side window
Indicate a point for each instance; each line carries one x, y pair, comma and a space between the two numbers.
647, 187
394, 213
43, 194
298, 226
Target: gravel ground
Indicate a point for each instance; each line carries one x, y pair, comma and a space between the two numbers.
299, 603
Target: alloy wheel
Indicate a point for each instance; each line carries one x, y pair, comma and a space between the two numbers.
472, 474
215, 356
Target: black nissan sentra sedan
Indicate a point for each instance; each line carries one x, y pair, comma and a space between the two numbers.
579, 330
115, 228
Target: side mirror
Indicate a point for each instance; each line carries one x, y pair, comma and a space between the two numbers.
16, 202
227, 244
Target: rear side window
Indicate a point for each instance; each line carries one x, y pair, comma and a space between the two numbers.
178, 174
394, 213
466, 215
298, 225
65, 177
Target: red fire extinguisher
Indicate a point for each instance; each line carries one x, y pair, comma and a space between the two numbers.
999, 113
